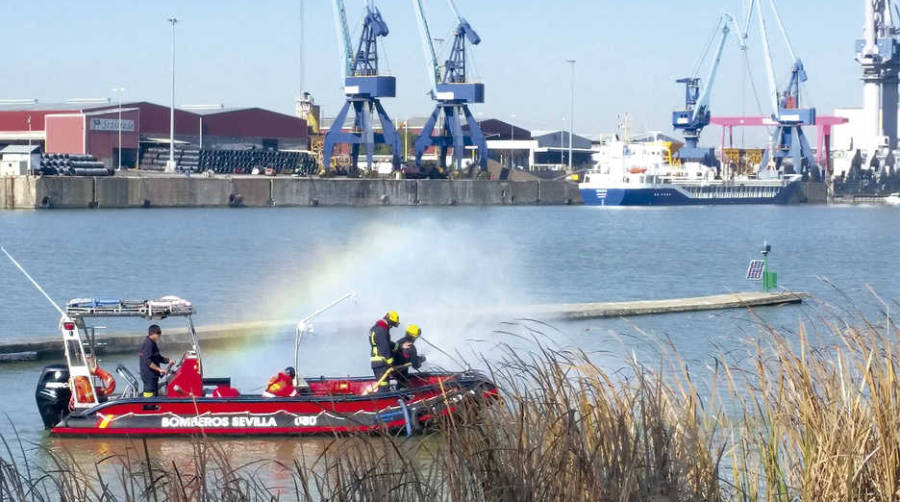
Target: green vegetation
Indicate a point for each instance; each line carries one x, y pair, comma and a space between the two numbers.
793, 421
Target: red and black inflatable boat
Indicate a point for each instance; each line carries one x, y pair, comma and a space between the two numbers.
78, 398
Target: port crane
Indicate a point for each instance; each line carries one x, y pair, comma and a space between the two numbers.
787, 140
453, 91
878, 53
695, 116
364, 86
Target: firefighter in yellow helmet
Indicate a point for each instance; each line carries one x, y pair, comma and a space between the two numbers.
382, 348
405, 352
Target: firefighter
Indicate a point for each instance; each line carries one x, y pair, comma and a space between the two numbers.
150, 361
380, 343
405, 352
282, 384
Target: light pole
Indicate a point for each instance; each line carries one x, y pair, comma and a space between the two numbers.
571, 111
561, 162
121, 91
512, 136
218, 106
170, 166
406, 141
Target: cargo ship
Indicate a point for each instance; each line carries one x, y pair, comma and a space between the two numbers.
648, 174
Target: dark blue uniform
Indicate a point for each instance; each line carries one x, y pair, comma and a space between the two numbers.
382, 357
150, 354
403, 356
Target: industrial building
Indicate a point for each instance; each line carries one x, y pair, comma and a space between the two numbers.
513, 146
91, 129
508, 144
16, 160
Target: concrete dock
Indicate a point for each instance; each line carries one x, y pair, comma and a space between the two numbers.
150, 191
51, 346
669, 306
48, 192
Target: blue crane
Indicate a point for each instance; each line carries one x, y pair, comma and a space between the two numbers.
695, 115
363, 87
787, 140
453, 92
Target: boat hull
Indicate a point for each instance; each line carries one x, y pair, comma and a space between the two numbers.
676, 196
410, 409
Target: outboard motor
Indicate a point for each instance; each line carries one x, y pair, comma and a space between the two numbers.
53, 394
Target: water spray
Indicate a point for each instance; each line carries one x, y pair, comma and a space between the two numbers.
442, 351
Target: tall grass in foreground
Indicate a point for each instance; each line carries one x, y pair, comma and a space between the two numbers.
799, 422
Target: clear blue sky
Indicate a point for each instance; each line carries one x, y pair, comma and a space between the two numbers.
246, 53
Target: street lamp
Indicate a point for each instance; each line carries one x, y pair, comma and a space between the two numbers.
571, 111
406, 141
512, 136
121, 91
218, 106
561, 161
170, 166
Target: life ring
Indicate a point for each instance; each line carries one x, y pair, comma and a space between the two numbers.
108, 383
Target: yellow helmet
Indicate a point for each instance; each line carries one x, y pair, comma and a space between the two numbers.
392, 317
413, 331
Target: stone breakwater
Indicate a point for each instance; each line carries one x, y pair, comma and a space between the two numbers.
44, 192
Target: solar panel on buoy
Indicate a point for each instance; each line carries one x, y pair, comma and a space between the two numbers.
755, 270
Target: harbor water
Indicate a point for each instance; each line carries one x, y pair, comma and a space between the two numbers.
433, 265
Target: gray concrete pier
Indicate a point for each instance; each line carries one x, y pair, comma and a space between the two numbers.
668, 306
47, 192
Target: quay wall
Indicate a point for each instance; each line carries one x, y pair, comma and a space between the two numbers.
814, 192
45, 192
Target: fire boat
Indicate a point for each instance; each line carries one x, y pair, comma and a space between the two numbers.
79, 398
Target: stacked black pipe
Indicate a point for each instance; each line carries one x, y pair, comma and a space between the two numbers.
155, 158
71, 164
245, 161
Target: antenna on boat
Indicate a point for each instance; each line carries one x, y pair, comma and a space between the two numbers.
38, 286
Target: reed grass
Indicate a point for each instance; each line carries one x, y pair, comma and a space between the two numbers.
811, 414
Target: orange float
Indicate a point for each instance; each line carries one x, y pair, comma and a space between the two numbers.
108, 382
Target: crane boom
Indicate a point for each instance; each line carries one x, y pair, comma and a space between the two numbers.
454, 9
703, 101
343, 35
770, 71
432, 67
787, 41
746, 31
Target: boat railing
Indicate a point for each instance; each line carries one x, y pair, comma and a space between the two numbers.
726, 183
148, 309
129, 378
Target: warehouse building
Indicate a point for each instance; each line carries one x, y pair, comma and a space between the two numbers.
94, 129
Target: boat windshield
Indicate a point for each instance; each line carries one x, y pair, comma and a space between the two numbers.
76, 356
